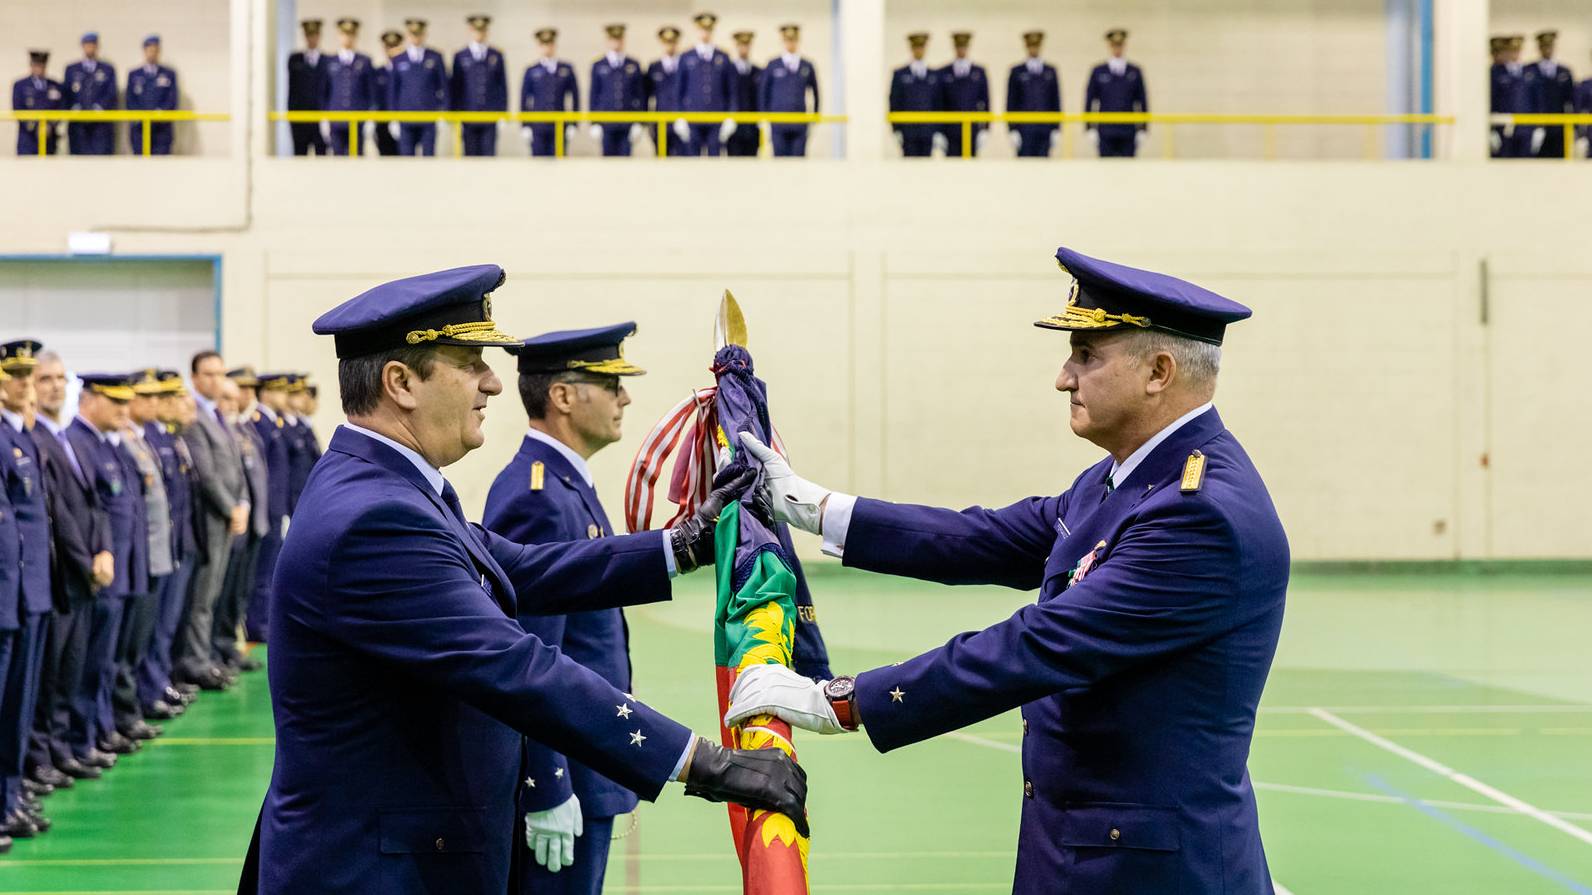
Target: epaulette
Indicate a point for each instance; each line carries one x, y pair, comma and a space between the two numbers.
538, 475
1193, 473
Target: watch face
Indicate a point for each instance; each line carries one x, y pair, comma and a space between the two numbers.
840, 687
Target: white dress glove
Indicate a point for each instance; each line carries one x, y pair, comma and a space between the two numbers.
941, 144
1581, 147
551, 834
530, 139
1139, 138
596, 131
681, 129
778, 691
796, 501
1495, 140
1094, 138
569, 136
1538, 137
637, 134
980, 140
901, 141
392, 129
725, 129
1017, 140
326, 130
368, 133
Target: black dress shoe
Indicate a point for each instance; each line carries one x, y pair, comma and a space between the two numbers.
159, 710
185, 690
52, 776
99, 759
117, 743
38, 819
246, 664
141, 730
17, 826
34, 787
77, 770
212, 679
5, 844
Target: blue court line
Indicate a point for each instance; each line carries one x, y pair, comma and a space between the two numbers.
1508, 851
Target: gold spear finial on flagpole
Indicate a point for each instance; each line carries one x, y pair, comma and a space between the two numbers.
729, 328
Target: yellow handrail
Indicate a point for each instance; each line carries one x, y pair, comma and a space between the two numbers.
1564, 120
968, 119
146, 116
458, 119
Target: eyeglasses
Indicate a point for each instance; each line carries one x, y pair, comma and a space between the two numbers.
609, 384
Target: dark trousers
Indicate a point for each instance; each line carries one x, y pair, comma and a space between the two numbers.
159, 138
953, 139
65, 650
1552, 143
154, 672
704, 141
337, 144
616, 139
18, 701
307, 139
91, 139
584, 877
386, 144
1118, 145
745, 141
417, 139
542, 140
479, 139
1036, 141
235, 591
677, 146
788, 139
257, 612
99, 667
917, 141
28, 139
191, 652
132, 644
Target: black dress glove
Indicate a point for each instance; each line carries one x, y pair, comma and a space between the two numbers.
755, 778
692, 540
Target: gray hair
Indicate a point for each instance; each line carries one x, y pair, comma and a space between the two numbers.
1197, 360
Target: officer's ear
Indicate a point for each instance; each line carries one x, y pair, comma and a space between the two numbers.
1163, 372
561, 396
398, 381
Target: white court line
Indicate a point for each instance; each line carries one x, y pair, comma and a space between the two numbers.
1550, 709
1279, 888
1465, 780
981, 741
1379, 798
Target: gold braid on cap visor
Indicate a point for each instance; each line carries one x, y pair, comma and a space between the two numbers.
1076, 317
479, 331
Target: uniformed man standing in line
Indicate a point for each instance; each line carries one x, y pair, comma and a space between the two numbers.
571, 384
1510, 95
1555, 95
151, 86
37, 93
419, 84
238, 587
706, 84
381, 86
91, 85
915, 87
1161, 575
480, 84
163, 435
270, 428
22, 466
1116, 85
1583, 105
747, 136
965, 87
401, 682
306, 90
83, 566
617, 85
1033, 86
142, 611
10, 594
548, 86
786, 83
350, 87
307, 448
663, 79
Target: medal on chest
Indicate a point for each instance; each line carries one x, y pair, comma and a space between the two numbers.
1085, 565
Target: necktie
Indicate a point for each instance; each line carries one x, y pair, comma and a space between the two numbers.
220, 418
451, 498
1111, 486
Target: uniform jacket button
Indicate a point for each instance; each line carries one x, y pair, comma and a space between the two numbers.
1028, 789
443, 845
1115, 834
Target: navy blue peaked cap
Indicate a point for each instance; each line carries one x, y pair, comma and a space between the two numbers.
1107, 296
599, 349
449, 307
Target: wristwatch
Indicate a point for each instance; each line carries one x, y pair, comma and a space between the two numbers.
842, 695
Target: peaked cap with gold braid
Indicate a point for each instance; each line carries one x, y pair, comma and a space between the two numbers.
1107, 296
449, 307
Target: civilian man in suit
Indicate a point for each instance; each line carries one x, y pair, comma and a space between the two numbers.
238, 586
306, 90
1161, 574
223, 512
572, 388
400, 681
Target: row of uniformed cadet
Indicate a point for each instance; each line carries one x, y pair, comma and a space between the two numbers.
1115, 85
417, 79
121, 529
90, 84
1546, 86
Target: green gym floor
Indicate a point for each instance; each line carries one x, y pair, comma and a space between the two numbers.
1421, 732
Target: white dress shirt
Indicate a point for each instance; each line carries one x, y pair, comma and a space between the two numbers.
705, 51
615, 60
792, 62
416, 53
1118, 65
478, 51
568, 453
920, 69
961, 67
1035, 65
432, 474
345, 56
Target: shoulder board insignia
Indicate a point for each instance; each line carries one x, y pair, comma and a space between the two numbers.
1193, 472
256, 417
279, 423
538, 475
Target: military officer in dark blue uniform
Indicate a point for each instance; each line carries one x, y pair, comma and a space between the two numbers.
270, 425
745, 139
381, 82
401, 683
617, 85
548, 86
91, 85
1583, 105
1033, 86
571, 386
1555, 95
787, 81
419, 84
22, 468
480, 84
350, 86
915, 87
1511, 94
1116, 85
663, 80
94, 440
151, 86
10, 590
302, 448
306, 89
163, 435
141, 611
37, 93
706, 84
1161, 575
965, 87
